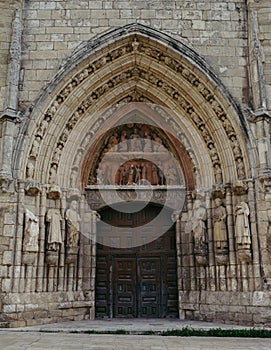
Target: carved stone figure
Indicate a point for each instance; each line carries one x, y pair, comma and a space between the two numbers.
123, 175
123, 145
157, 144
213, 153
155, 179
135, 141
113, 142
218, 174
31, 232
242, 230
35, 146
43, 126
147, 144
198, 225
205, 134
220, 230
137, 173
53, 174
143, 171
236, 148
54, 239
73, 178
240, 169
57, 154
73, 225
131, 175
30, 169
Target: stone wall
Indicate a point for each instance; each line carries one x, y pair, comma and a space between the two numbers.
52, 30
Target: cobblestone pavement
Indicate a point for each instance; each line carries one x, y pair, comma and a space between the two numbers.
57, 341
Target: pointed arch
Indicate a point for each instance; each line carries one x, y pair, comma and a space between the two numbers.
139, 64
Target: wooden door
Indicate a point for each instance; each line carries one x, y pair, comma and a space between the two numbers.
138, 281
149, 287
124, 287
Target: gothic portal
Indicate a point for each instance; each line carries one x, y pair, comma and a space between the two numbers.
135, 184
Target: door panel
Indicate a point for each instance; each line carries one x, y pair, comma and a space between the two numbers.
149, 284
124, 287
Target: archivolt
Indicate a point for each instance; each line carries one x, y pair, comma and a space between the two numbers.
139, 64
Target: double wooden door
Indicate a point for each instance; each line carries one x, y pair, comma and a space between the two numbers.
139, 281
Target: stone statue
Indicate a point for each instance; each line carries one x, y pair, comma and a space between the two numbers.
236, 148
242, 230
35, 146
240, 168
137, 173
220, 230
213, 153
31, 232
53, 174
147, 144
155, 179
113, 142
123, 145
198, 225
73, 225
54, 239
135, 141
57, 154
30, 169
218, 174
157, 144
43, 126
122, 175
131, 175
73, 178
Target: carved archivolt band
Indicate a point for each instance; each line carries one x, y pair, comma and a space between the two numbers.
136, 47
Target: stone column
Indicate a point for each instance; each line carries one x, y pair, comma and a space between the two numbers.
211, 267
190, 243
254, 236
232, 252
176, 218
19, 239
41, 284
10, 114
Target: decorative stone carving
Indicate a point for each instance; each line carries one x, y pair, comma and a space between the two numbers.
35, 147
31, 232
57, 153
54, 192
54, 239
220, 229
198, 230
242, 231
43, 126
53, 174
32, 188
240, 187
240, 168
218, 174
30, 169
73, 225
5, 182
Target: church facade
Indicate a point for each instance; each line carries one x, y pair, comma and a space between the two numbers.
135, 161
